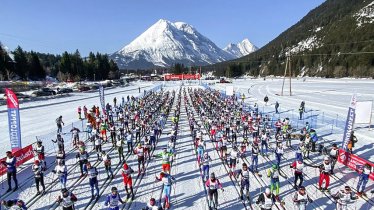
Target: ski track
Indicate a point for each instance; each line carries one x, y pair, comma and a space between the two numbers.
186, 171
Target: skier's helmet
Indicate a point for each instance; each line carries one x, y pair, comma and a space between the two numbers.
36, 162
267, 191
274, 166
212, 176
326, 158
114, 189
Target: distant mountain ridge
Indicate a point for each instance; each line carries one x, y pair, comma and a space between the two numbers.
240, 49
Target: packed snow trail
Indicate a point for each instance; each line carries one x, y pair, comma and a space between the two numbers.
188, 190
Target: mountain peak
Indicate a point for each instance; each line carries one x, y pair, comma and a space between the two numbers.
241, 49
166, 43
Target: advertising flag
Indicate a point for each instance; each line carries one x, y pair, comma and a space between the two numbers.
13, 120
349, 122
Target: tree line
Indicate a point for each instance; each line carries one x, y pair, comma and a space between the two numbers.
65, 67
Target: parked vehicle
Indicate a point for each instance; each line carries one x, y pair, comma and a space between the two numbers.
44, 92
64, 90
83, 88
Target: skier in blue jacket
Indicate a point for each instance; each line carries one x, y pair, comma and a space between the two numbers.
113, 200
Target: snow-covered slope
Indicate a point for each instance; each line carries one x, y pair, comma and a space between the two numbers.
166, 43
241, 49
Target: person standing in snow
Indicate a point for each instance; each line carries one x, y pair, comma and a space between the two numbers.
82, 159
108, 164
112, 200
39, 149
127, 180
273, 173
344, 197
213, 185
255, 151
301, 198
79, 110
205, 163
167, 181
266, 200
276, 107
363, 179
244, 180
59, 124
298, 166
60, 142
39, 176
94, 184
333, 156
10, 163
15, 204
85, 111
67, 200
325, 171
152, 205
119, 145
139, 151
165, 156
62, 173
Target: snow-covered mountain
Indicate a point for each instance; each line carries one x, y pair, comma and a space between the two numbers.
241, 49
166, 43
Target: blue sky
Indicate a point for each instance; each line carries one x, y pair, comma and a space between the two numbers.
107, 26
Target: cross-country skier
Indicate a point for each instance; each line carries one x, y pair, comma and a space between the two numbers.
333, 156
79, 110
244, 181
273, 173
10, 163
39, 150
165, 156
325, 171
279, 150
127, 180
129, 139
266, 200
344, 197
66, 199
255, 151
75, 132
62, 173
363, 179
39, 176
301, 198
298, 166
151, 205
108, 164
94, 184
59, 124
167, 181
112, 200
234, 154
213, 184
119, 145
205, 163
15, 204
139, 151
60, 142
82, 158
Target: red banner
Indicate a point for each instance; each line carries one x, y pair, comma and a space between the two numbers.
21, 155
354, 162
182, 77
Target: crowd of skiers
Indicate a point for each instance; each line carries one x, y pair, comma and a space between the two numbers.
137, 122
226, 121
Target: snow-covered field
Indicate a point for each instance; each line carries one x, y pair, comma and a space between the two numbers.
326, 102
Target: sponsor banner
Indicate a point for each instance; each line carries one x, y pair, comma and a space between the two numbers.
182, 77
363, 112
102, 98
21, 155
349, 122
354, 162
13, 120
